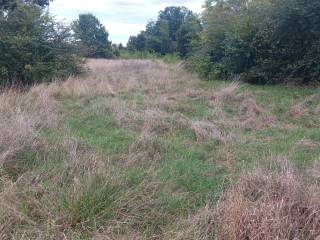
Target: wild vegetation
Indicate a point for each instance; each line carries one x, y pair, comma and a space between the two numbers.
35, 48
139, 149
265, 41
142, 148
262, 41
92, 36
173, 32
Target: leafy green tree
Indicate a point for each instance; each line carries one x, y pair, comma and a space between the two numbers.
11, 4
293, 42
161, 36
188, 33
218, 18
132, 43
160, 41
137, 43
265, 41
115, 50
175, 17
93, 36
121, 47
33, 47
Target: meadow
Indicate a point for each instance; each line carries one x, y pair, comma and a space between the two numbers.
142, 149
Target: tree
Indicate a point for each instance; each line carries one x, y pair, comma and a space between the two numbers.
115, 50
264, 41
33, 47
188, 32
137, 43
132, 43
175, 17
93, 36
121, 47
6, 5
161, 36
160, 41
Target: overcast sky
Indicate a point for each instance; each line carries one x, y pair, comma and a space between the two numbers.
122, 18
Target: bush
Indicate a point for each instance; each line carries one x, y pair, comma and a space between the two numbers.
265, 41
33, 47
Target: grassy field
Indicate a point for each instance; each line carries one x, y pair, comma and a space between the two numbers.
140, 149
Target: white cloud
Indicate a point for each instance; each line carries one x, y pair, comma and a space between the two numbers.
122, 18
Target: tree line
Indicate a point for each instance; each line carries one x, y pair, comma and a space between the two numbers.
262, 41
173, 32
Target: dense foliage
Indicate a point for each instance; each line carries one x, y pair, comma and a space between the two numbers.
173, 31
93, 36
33, 46
11, 4
265, 41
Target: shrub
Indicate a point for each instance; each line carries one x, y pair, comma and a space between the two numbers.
265, 41
34, 47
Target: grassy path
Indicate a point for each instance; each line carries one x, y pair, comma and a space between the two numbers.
144, 150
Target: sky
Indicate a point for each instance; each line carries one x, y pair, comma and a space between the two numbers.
122, 18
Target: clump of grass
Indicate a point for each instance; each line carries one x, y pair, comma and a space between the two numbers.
268, 205
317, 110
254, 117
206, 130
307, 144
22, 117
200, 225
145, 149
297, 110
262, 204
223, 93
310, 105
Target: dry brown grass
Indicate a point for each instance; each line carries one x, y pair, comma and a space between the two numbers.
200, 226
260, 205
108, 236
144, 150
307, 144
143, 98
297, 110
307, 106
22, 116
264, 205
225, 92
109, 77
206, 130
219, 98
317, 110
254, 116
